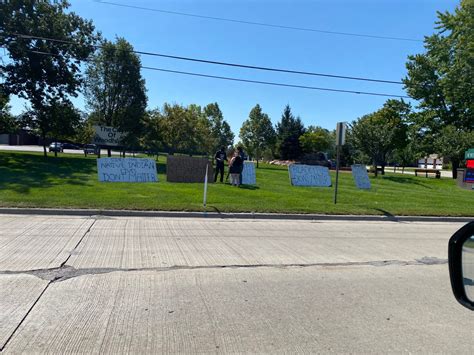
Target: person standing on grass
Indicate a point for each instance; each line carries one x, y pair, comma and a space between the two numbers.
242, 156
220, 157
235, 169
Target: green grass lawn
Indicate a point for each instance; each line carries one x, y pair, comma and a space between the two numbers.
70, 181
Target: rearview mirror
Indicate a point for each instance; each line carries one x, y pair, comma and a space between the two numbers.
461, 265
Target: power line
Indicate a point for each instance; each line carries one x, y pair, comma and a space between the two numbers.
206, 61
275, 83
256, 81
264, 24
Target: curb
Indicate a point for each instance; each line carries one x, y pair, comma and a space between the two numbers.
217, 215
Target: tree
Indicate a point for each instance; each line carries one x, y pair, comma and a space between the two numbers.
316, 139
442, 78
8, 123
43, 79
453, 142
85, 131
289, 130
379, 134
115, 90
57, 121
222, 135
413, 150
201, 139
181, 129
152, 140
257, 133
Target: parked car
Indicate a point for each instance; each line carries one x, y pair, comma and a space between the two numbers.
56, 147
91, 149
70, 146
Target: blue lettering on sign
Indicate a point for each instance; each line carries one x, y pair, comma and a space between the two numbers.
309, 175
126, 170
248, 174
361, 178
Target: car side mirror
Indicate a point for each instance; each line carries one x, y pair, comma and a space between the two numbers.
461, 265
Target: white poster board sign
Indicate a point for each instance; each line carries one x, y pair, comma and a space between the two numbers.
126, 170
105, 135
361, 178
309, 175
249, 177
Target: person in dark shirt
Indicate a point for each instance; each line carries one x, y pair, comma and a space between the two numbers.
235, 169
241, 153
220, 158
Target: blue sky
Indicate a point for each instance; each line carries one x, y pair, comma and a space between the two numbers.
254, 45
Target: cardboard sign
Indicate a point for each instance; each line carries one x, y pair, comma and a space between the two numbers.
108, 136
126, 170
249, 177
361, 178
187, 169
309, 175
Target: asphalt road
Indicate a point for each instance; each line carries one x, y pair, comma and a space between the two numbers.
164, 285
37, 148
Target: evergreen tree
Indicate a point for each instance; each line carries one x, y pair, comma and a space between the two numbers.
289, 130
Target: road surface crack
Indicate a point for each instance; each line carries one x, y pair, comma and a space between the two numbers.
79, 242
66, 272
52, 275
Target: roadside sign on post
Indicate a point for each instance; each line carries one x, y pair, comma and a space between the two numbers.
469, 154
340, 141
340, 133
108, 136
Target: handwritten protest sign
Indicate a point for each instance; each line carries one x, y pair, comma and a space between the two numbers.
309, 175
126, 170
361, 178
249, 176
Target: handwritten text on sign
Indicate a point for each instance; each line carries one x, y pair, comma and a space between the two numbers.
126, 170
109, 136
361, 178
248, 174
309, 175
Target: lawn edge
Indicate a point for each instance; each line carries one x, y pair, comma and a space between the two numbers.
218, 215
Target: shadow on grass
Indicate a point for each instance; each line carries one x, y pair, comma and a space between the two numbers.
386, 213
249, 187
214, 208
23, 172
406, 180
161, 167
274, 167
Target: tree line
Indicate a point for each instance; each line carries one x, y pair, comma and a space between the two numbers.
47, 45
